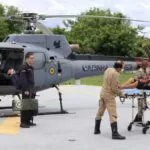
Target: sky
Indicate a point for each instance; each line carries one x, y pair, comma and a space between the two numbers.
135, 9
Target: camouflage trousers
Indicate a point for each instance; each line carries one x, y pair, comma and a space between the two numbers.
141, 105
110, 105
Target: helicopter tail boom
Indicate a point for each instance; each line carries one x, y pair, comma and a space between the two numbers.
93, 68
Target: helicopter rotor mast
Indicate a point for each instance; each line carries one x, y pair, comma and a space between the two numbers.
33, 23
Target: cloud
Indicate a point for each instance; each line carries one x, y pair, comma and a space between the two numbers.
136, 9
146, 32
144, 4
119, 8
36, 6
130, 8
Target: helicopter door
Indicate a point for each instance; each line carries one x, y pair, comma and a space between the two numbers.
39, 68
52, 72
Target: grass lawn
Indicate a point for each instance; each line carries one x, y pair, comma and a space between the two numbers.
98, 80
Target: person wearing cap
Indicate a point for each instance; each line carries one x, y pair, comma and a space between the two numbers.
107, 99
139, 81
140, 74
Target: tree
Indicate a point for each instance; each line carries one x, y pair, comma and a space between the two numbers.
104, 36
9, 26
145, 45
58, 30
15, 26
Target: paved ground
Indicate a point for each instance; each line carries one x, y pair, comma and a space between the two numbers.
72, 131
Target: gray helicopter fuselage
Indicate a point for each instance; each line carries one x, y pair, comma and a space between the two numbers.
52, 64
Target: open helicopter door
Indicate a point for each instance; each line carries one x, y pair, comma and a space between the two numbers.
11, 57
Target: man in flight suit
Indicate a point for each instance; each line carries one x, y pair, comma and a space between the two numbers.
27, 85
107, 99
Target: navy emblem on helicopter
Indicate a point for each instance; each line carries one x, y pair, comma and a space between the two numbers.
51, 70
56, 44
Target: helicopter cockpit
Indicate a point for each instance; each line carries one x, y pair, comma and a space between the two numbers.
9, 59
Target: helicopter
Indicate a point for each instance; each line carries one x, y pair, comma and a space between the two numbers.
54, 58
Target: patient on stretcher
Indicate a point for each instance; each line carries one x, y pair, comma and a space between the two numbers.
139, 84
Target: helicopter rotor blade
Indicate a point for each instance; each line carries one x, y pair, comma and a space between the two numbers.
12, 18
43, 17
90, 16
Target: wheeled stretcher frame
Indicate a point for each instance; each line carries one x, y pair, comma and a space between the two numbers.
139, 95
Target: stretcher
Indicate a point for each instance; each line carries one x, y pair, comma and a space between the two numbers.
135, 94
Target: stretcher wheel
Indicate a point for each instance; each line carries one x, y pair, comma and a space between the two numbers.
145, 130
129, 127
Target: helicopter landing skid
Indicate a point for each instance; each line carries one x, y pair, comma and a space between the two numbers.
62, 111
40, 113
54, 113
60, 100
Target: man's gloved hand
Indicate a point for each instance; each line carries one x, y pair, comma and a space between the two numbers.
122, 97
121, 94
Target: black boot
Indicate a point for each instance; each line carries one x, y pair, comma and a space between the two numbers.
30, 118
97, 127
31, 122
115, 134
23, 121
137, 119
24, 125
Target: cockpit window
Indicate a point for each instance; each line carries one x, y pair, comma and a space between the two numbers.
39, 60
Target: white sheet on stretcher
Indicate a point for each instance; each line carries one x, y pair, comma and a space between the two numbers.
135, 91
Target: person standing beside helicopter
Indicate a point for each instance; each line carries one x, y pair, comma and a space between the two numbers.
107, 99
27, 87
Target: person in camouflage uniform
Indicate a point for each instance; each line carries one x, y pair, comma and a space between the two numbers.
139, 81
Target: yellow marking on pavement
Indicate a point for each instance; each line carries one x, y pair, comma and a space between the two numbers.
10, 126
